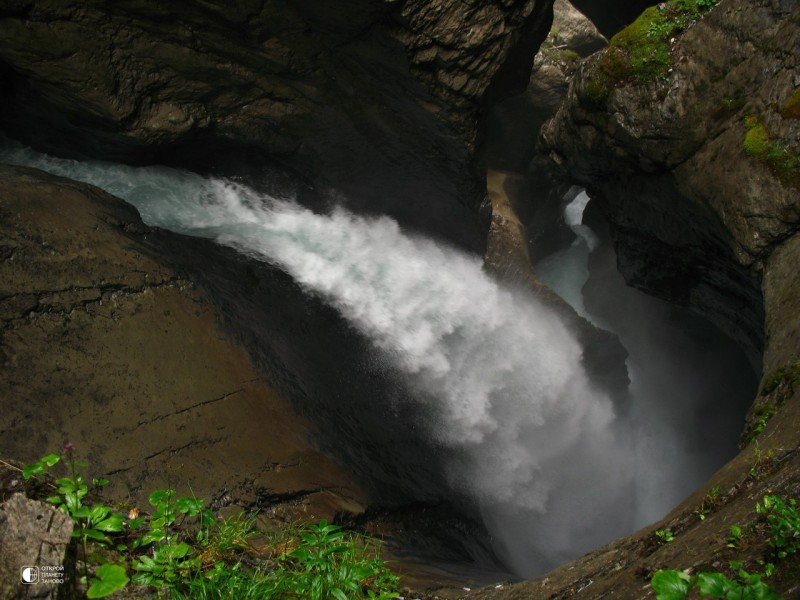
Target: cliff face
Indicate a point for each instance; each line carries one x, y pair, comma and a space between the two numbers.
104, 345
696, 166
378, 100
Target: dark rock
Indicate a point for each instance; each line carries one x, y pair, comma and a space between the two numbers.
378, 101
699, 221
693, 216
36, 535
507, 259
105, 345
611, 16
573, 31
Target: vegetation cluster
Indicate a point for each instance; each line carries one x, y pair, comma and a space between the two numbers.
783, 162
781, 523
642, 52
181, 550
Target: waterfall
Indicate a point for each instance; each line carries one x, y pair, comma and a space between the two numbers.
541, 452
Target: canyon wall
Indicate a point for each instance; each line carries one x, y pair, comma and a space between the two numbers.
378, 102
104, 345
696, 168
696, 210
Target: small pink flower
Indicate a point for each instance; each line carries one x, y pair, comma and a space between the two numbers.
69, 448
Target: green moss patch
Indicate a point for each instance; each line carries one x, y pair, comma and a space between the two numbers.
641, 52
788, 376
778, 387
791, 110
783, 162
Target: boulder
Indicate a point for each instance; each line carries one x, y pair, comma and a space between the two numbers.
673, 158
35, 537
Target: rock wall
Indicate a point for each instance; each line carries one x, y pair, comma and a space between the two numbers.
695, 211
104, 345
381, 101
697, 172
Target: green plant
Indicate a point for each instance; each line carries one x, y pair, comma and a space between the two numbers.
735, 537
327, 564
670, 584
782, 161
94, 522
664, 536
642, 51
223, 582
182, 549
763, 462
108, 579
784, 524
170, 563
232, 534
172, 559
709, 503
166, 514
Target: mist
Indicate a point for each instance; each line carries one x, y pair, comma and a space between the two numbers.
552, 467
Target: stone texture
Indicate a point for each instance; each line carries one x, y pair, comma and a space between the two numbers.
34, 534
698, 221
105, 346
694, 218
378, 101
573, 31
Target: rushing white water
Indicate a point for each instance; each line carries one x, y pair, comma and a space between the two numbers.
540, 450
565, 271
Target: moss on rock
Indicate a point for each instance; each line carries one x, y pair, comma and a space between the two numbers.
642, 52
782, 161
791, 110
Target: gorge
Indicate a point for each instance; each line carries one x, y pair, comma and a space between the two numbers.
441, 380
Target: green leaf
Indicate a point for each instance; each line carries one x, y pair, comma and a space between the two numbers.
161, 496
79, 511
669, 584
114, 523
50, 460
179, 550
94, 534
189, 506
66, 484
338, 594
715, 585
98, 513
100, 482
32, 469
109, 579
145, 563
55, 500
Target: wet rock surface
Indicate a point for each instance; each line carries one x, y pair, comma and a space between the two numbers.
105, 346
703, 223
379, 101
693, 215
